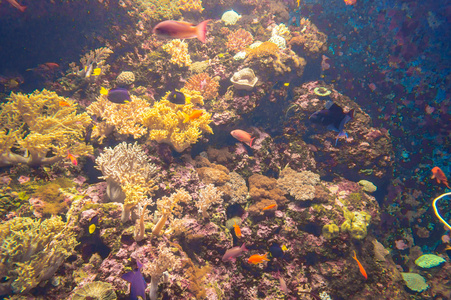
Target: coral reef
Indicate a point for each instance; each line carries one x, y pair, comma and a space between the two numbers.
203, 83
238, 40
39, 128
92, 60
125, 78
179, 52
244, 79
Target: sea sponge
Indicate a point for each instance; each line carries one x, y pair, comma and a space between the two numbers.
415, 282
238, 40
356, 223
203, 83
165, 123
427, 261
368, 186
330, 231
125, 78
41, 128
179, 52
31, 251
230, 17
244, 79
96, 290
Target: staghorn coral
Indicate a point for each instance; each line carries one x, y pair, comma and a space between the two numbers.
208, 196
129, 175
191, 5
165, 260
179, 52
94, 59
31, 251
40, 129
164, 121
238, 40
124, 118
300, 185
203, 83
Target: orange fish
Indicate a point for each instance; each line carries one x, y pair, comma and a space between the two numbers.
438, 174
258, 259
350, 2
17, 5
243, 136
64, 103
270, 206
194, 115
72, 158
181, 30
237, 230
362, 270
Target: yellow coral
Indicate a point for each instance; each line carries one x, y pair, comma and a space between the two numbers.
36, 129
191, 5
179, 52
265, 49
164, 121
124, 117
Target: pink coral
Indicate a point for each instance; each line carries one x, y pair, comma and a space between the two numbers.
239, 40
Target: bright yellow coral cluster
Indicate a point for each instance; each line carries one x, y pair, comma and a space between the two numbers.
124, 118
191, 5
164, 121
179, 52
41, 128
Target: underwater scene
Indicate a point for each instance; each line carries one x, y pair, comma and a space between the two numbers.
225, 149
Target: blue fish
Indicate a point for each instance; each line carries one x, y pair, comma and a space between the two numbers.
118, 95
334, 118
137, 283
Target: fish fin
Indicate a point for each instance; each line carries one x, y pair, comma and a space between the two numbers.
201, 30
342, 133
22, 8
185, 23
265, 257
187, 100
252, 140
103, 91
243, 247
186, 117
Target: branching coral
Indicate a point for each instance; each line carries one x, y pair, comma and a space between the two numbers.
129, 175
165, 123
204, 84
41, 129
125, 118
191, 5
170, 207
31, 251
300, 185
179, 52
208, 196
94, 59
166, 260
238, 40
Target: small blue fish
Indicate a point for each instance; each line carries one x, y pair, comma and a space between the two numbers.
334, 118
137, 283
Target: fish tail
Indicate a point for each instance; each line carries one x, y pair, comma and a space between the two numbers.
186, 117
265, 257
252, 140
201, 30
243, 247
22, 8
355, 255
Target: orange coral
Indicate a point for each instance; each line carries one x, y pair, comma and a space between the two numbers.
265, 49
239, 40
204, 84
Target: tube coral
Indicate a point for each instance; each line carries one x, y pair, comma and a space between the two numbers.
31, 251
36, 129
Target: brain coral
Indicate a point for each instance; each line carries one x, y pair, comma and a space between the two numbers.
125, 78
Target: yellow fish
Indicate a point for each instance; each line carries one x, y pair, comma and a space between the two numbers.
103, 91
96, 72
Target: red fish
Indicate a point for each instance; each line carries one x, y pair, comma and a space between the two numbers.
258, 259
72, 158
233, 253
181, 30
270, 207
193, 116
438, 174
243, 136
362, 270
17, 5
64, 103
350, 2
237, 230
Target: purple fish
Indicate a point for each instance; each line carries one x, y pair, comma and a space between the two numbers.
233, 253
138, 284
118, 95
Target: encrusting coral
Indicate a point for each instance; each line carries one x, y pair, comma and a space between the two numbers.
129, 175
41, 128
165, 124
356, 223
31, 251
191, 5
